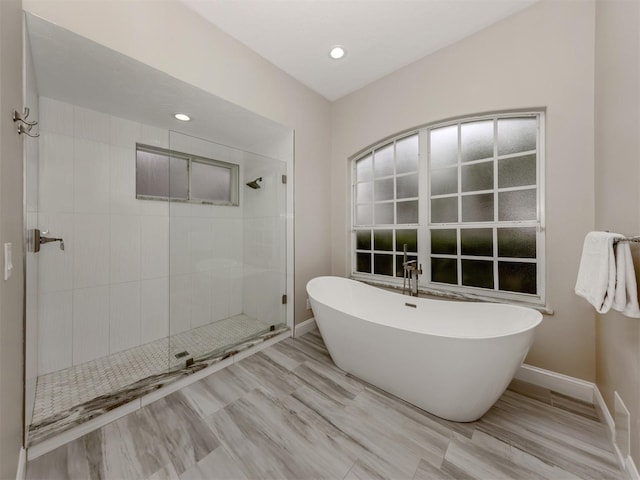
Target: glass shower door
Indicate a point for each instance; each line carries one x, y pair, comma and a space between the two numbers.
227, 251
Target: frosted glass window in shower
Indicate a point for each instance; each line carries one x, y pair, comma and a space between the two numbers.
477, 273
211, 183
384, 189
517, 242
364, 168
444, 241
383, 213
517, 277
476, 241
408, 237
407, 186
363, 240
364, 192
407, 212
161, 175
383, 240
165, 174
477, 176
517, 205
383, 264
477, 208
517, 171
444, 270
444, 210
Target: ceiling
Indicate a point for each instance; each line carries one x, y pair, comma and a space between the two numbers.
380, 36
75, 70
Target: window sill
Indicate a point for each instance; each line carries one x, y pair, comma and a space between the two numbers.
428, 292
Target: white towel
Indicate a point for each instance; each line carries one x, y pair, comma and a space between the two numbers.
625, 299
597, 273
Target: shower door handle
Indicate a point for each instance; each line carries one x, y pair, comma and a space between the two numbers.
40, 239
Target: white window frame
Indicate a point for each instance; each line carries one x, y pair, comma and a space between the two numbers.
189, 158
424, 228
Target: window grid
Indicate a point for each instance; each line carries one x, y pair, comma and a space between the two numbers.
362, 177
501, 266
191, 159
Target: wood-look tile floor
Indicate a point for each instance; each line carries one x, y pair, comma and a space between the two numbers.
289, 413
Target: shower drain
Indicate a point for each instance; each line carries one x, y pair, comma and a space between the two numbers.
181, 354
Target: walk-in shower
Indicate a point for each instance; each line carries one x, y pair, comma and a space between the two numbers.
169, 264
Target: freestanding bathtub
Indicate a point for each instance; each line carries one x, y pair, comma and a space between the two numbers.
453, 359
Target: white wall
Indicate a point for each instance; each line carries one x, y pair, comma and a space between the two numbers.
198, 55
540, 57
617, 154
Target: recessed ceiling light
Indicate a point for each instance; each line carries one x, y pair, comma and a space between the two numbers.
182, 117
337, 52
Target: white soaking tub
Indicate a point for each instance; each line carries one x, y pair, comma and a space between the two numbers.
452, 359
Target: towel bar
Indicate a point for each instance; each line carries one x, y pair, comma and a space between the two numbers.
629, 239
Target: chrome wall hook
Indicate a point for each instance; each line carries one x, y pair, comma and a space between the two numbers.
22, 117
26, 129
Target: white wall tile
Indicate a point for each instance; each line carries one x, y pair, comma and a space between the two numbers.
179, 303
201, 299
91, 257
154, 251
156, 137
55, 266
55, 174
91, 176
90, 324
153, 207
125, 248
124, 316
55, 334
221, 293
125, 133
179, 245
55, 117
201, 244
154, 309
91, 125
123, 181
236, 286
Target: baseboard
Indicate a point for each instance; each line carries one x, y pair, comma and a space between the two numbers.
582, 390
304, 327
21, 473
564, 384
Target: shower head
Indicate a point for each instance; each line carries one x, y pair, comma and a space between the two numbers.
254, 184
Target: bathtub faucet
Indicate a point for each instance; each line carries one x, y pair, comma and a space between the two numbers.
410, 270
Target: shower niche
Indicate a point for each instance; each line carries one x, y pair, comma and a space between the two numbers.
178, 235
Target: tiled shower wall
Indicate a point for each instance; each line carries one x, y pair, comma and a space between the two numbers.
110, 289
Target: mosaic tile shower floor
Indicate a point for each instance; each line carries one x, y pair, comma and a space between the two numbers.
59, 391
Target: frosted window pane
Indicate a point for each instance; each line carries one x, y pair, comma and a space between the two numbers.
477, 208
399, 266
517, 205
363, 240
444, 180
444, 146
478, 176
517, 171
383, 264
444, 270
407, 186
517, 277
444, 210
383, 213
476, 140
407, 154
210, 182
410, 237
154, 178
152, 174
476, 241
516, 135
364, 215
384, 189
363, 262
407, 212
444, 241
364, 168
477, 273
383, 240
178, 178
517, 242
364, 192
383, 161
